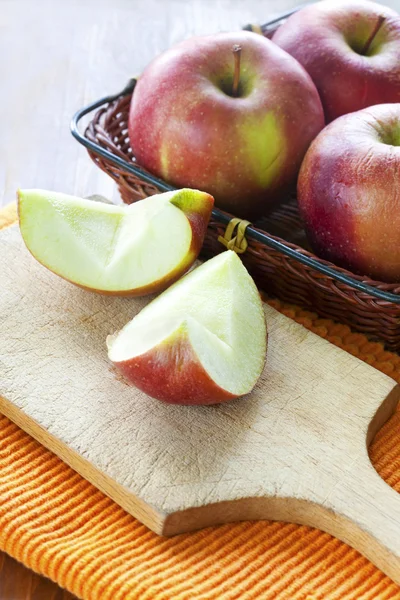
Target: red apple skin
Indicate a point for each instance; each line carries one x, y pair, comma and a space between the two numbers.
198, 214
172, 373
198, 211
322, 37
349, 192
245, 151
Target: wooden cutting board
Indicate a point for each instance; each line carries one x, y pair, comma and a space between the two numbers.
295, 449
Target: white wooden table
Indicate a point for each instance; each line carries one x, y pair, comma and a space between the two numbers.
58, 56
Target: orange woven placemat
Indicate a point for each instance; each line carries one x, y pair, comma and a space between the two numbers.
58, 524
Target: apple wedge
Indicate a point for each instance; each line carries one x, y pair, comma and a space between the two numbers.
125, 250
202, 341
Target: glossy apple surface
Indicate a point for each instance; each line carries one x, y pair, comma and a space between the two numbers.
350, 49
202, 341
126, 250
186, 126
349, 192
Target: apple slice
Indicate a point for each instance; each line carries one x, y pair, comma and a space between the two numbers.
126, 250
202, 341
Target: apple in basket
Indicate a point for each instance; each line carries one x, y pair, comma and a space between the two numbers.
122, 250
202, 341
351, 49
349, 192
231, 114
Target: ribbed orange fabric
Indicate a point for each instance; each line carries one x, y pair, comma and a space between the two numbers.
58, 524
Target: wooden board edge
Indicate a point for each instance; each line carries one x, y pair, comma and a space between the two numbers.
287, 510
384, 412
146, 514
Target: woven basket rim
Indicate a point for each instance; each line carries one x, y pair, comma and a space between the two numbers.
381, 291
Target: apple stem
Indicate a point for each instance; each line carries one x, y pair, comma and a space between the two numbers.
236, 49
369, 41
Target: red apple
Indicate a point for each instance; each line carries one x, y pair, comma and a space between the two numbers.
350, 49
188, 126
349, 192
202, 341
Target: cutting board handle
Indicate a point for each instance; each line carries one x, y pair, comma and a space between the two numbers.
365, 513
295, 449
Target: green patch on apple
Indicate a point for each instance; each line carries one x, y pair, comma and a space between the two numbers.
266, 153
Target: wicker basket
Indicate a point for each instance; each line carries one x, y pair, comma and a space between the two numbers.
274, 249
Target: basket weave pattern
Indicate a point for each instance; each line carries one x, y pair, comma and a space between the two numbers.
279, 275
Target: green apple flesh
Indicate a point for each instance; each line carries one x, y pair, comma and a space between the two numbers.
127, 250
202, 341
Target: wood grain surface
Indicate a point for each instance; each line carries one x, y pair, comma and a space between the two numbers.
58, 56
19, 583
289, 451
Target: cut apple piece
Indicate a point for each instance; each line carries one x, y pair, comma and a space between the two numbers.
202, 341
126, 250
